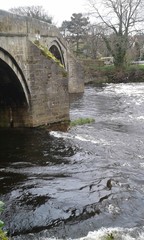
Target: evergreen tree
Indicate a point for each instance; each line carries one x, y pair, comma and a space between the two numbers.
76, 28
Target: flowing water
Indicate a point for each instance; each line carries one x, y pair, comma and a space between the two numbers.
86, 183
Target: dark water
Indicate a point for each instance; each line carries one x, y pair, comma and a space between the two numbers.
82, 184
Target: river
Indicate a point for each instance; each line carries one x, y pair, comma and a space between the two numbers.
86, 183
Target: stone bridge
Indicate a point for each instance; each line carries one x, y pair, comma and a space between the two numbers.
35, 84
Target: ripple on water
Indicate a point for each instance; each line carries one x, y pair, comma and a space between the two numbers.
56, 184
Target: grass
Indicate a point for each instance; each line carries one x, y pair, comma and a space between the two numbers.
110, 74
137, 66
109, 237
81, 121
112, 68
106, 68
2, 233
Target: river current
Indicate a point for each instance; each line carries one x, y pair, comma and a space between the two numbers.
86, 183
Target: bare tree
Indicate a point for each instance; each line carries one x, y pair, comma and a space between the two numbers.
118, 19
93, 41
32, 11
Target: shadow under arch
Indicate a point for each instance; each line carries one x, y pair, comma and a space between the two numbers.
56, 50
11, 62
14, 93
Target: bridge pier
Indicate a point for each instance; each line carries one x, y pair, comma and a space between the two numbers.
34, 86
14, 117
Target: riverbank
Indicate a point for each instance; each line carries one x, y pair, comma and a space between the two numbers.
109, 74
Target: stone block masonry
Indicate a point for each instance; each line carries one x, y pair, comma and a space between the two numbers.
34, 88
48, 87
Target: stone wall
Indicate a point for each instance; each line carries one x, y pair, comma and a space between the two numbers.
76, 75
45, 84
12, 25
49, 88
48, 35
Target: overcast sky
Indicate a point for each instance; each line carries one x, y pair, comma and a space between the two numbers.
60, 10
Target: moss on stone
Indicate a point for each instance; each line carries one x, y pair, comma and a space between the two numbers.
47, 53
64, 74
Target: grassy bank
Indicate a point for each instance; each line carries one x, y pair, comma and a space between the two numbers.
109, 74
132, 73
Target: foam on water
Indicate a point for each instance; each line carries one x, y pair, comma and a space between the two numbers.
109, 233
140, 118
114, 233
125, 89
61, 134
72, 169
83, 138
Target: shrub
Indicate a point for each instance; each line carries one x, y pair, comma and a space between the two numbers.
81, 121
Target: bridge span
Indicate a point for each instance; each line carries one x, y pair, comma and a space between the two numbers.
35, 84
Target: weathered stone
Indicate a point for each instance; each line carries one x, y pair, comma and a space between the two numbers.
36, 86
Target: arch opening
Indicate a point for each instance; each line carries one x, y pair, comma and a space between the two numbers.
13, 102
55, 51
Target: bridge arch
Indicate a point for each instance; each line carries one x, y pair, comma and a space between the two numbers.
14, 92
56, 50
11, 62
